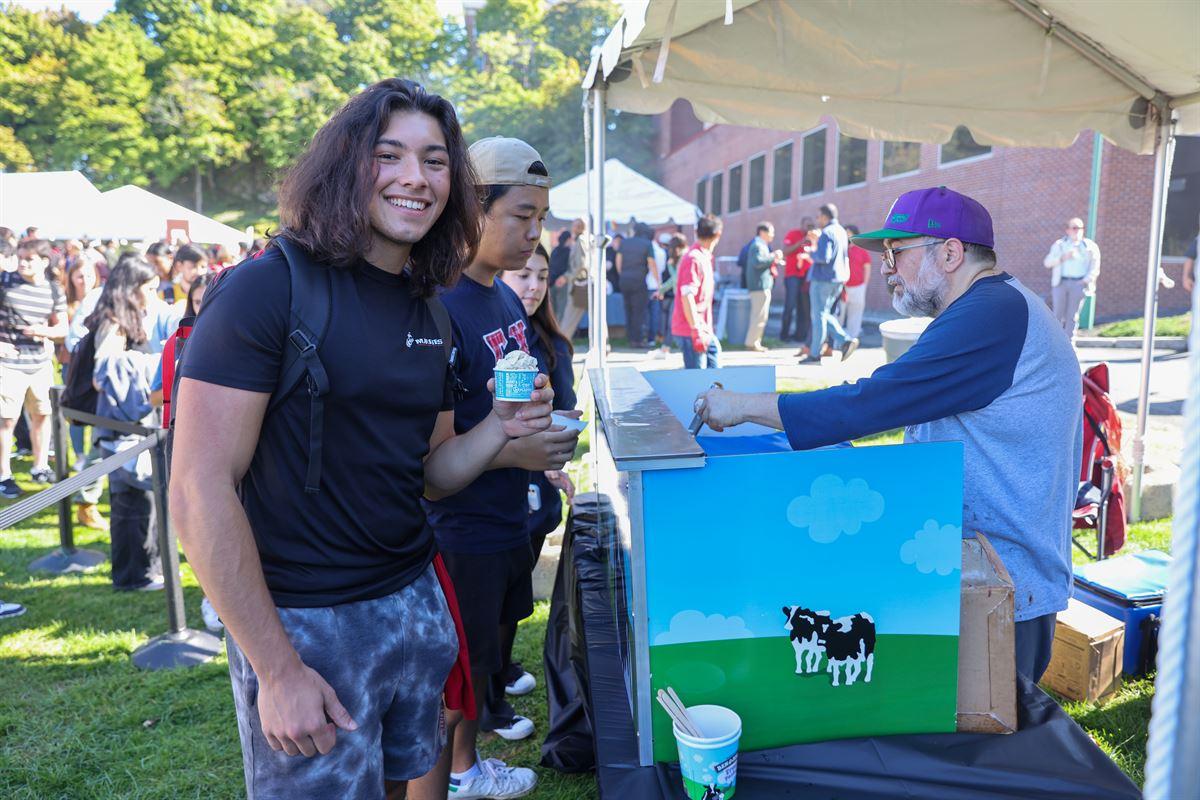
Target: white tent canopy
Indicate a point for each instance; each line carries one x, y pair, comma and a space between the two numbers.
1017, 73
1032, 73
65, 205
142, 215
62, 205
631, 195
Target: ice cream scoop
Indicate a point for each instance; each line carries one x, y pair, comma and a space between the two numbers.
517, 359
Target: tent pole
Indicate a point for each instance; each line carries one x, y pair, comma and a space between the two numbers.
1172, 769
1164, 151
598, 322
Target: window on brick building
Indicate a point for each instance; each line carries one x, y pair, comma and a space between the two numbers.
961, 146
852, 161
781, 177
899, 158
735, 189
757, 170
718, 189
702, 194
812, 163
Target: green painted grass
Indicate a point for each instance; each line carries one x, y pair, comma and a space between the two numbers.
913, 689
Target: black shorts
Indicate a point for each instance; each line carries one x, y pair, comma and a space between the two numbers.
493, 589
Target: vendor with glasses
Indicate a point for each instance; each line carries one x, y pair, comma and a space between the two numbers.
992, 371
1074, 262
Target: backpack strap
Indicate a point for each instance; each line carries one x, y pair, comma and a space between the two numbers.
442, 317
308, 320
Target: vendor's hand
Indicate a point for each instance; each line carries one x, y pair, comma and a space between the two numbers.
523, 419
719, 409
295, 708
561, 481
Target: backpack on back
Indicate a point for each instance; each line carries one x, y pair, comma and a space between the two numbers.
79, 393
313, 287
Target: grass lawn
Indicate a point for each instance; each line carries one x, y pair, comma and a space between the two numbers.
1178, 325
77, 721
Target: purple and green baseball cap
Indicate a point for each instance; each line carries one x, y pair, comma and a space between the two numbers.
939, 212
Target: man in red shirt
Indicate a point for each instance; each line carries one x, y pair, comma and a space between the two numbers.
691, 319
796, 247
856, 287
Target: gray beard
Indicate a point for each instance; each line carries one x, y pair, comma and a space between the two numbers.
926, 298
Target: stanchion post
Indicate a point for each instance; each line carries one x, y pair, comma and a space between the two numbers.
180, 646
66, 558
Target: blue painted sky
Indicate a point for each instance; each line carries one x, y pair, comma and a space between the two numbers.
746, 535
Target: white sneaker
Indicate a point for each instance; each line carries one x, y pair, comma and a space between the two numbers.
521, 686
209, 614
495, 781
521, 728
11, 609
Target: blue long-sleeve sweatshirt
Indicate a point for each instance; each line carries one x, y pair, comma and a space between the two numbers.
995, 372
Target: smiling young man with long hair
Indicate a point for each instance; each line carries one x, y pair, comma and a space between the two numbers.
340, 640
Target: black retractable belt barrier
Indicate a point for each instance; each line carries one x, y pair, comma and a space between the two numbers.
180, 646
66, 557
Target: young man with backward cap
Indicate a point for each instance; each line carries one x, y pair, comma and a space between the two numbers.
992, 371
340, 638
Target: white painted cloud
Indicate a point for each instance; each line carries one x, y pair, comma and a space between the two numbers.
934, 548
833, 507
694, 626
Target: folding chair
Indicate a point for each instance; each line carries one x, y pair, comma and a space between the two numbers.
1100, 501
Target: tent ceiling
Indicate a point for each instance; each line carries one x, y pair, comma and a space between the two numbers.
915, 70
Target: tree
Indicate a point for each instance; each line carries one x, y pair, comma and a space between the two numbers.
104, 102
193, 128
33, 65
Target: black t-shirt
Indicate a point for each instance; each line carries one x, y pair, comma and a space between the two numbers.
560, 261
490, 514
364, 535
635, 252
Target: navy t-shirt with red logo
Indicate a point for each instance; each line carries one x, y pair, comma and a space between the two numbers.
491, 514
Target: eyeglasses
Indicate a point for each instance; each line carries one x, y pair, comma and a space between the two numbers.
889, 253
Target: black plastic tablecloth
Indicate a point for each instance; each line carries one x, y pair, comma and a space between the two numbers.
1049, 757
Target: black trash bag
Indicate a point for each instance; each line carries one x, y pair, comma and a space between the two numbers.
569, 745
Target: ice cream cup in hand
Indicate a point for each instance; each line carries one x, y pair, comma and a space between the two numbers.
515, 375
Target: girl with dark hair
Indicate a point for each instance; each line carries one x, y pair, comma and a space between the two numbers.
320, 560
531, 283
123, 371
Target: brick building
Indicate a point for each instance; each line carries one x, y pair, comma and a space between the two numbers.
746, 175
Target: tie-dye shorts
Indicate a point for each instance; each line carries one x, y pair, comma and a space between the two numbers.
388, 660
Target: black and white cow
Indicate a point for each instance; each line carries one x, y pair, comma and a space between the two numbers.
713, 793
806, 627
849, 643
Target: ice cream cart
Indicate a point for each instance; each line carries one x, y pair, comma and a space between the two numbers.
815, 593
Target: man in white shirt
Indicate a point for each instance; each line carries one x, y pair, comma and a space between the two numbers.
1074, 262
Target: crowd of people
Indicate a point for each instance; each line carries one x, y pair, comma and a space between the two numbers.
668, 286
111, 307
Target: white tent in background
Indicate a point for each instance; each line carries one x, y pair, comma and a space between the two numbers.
62, 205
630, 195
1032, 73
142, 215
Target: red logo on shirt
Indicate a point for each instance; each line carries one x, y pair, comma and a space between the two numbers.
516, 331
495, 342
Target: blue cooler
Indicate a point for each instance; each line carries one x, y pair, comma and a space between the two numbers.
1128, 587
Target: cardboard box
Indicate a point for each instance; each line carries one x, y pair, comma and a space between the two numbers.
1086, 660
987, 668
